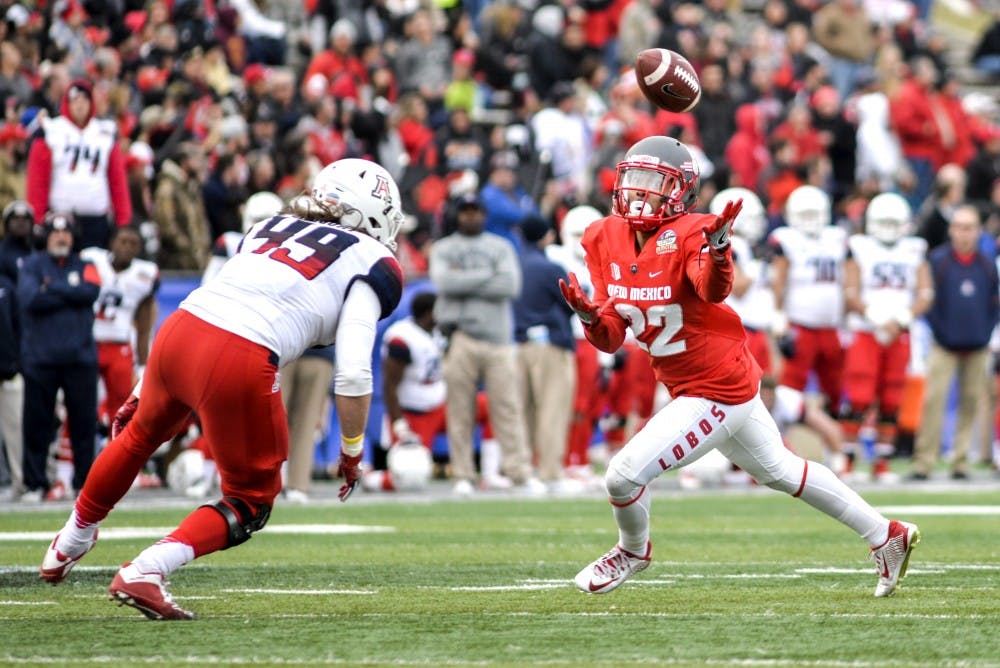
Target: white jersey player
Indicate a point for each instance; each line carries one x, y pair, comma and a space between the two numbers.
325, 272
125, 312
807, 278
258, 207
752, 297
887, 284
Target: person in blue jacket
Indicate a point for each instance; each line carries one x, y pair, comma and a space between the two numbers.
56, 291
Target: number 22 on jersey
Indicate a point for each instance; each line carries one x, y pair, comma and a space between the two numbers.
654, 328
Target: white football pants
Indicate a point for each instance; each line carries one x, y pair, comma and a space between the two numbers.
688, 427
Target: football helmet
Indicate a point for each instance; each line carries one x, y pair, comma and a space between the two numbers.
751, 223
887, 218
574, 224
808, 210
657, 180
260, 206
410, 465
364, 194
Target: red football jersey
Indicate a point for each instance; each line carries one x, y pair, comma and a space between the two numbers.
670, 295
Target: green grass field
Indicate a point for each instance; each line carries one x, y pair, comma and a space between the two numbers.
753, 579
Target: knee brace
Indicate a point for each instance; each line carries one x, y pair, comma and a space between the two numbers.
620, 488
241, 519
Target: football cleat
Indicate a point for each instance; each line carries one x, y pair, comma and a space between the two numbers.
146, 592
893, 556
56, 565
611, 570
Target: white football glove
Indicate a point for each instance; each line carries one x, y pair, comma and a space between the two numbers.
779, 324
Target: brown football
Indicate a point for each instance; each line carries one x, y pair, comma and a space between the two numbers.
667, 79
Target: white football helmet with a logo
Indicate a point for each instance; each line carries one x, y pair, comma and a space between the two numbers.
260, 206
751, 223
574, 224
808, 210
887, 218
365, 195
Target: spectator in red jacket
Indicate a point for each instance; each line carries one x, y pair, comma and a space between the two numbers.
746, 152
912, 116
75, 165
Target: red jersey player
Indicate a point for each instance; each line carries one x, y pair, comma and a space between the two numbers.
663, 273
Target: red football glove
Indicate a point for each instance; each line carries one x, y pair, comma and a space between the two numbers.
124, 415
577, 299
717, 233
349, 468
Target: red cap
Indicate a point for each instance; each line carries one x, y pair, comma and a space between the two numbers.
254, 73
150, 78
464, 57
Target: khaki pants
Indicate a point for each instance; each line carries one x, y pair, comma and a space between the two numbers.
548, 383
305, 385
942, 365
11, 407
468, 360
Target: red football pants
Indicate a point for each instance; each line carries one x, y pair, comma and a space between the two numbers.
231, 383
819, 350
115, 363
873, 371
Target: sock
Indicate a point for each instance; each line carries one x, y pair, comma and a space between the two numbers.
632, 517
75, 536
205, 530
489, 457
164, 557
828, 493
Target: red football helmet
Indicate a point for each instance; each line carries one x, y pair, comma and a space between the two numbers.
657, 180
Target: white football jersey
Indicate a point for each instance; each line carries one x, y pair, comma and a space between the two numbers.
422, 387
814, 288
285, 288
756, 306
79, 165
888, 274
121, 294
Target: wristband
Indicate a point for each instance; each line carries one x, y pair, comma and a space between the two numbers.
352, 445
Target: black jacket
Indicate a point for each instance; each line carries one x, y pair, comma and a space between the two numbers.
10, 336
56, 299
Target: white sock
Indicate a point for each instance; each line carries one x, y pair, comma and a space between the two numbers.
828, 493
489, 457
75, 536
164, 557
633, 522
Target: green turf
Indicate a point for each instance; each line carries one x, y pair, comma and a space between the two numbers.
734, 581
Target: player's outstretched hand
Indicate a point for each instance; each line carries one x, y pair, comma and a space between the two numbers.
718, 232
349, 468
124, 415
577, 299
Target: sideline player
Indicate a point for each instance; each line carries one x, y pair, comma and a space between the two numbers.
319, 272
663, 272
887, 284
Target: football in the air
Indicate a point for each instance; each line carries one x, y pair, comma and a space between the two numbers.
667, 79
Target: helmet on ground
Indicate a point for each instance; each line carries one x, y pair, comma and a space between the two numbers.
260, 206
751, 222
657, 179
887, 218
808, 210
410, 464
574, 224
364, 194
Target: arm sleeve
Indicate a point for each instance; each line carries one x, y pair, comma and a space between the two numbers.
711, 274
39, 177
355, 341
121, 201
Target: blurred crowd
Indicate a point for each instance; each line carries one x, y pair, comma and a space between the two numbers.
526, 105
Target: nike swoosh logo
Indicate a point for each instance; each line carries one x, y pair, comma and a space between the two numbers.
667, 89
594, 587
654, 274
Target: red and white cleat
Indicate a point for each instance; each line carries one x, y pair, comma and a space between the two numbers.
893, 556
56, 565
146, 592
611, 570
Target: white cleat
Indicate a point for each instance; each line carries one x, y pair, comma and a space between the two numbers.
147, 593
56, 565
893, 556
611, 570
